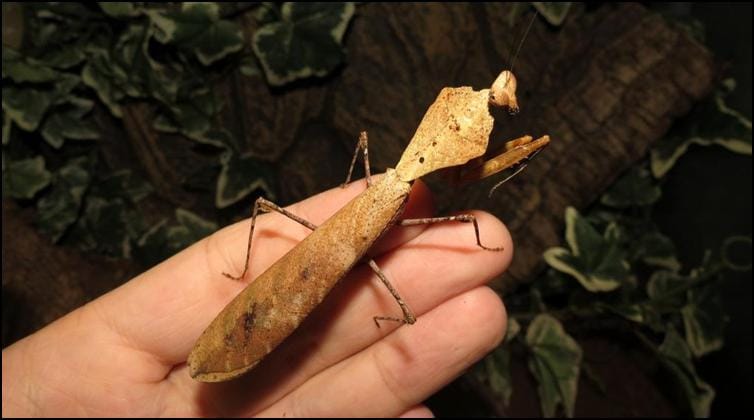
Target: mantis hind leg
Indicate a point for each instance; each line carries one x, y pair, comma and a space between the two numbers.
362, 144
265, 205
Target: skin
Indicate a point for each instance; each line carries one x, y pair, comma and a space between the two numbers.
124, 353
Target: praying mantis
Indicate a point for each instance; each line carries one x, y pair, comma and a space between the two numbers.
454, 133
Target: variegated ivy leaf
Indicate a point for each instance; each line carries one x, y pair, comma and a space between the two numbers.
25, 178
704, 320
305, 41
198, 27
596, 261
26, 106
633, 189
106, 79
657, 250
122, 184
21, 69
676, 357
59, 209
556, 362
163, 239
667, 288
119, 9
712, 123
70, 123
553, 12
103, 227
239, 177
495, 372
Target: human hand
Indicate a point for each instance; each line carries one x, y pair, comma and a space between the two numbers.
124, 353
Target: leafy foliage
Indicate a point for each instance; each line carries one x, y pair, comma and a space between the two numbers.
712, 122
302, 40
627, 271
157, 60
555, 362
595, 260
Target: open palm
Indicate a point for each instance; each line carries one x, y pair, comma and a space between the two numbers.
124, 353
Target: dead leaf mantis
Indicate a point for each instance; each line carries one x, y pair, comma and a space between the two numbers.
453, 133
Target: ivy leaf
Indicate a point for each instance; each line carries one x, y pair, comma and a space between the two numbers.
59, 209
657, 250
100, 75
238, 178
713, 122
704, 320
555, 361
103, 227
26, 106
198, 27
163, 240
25, 178
22, 69
676, 357
595, 260
70, 124
306, 41
633, 189
119, 9
553, 12
663, 288
124, 185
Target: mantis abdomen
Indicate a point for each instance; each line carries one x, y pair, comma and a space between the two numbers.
274, 304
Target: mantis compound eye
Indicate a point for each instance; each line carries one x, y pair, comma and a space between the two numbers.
503, 92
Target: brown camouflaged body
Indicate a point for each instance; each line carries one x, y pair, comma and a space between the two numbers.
274, 304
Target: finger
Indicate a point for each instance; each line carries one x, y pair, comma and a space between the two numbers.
442, 262
417, 412
407, 366
164, 310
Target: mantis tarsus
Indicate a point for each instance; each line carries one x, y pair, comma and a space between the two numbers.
453, 133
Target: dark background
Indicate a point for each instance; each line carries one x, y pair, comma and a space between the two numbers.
706, 196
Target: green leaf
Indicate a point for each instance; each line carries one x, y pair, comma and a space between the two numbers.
59, 209
119, 9
163, 240
495, 371
21, 69
25, 178
26, 106
713, 122
633, 189
595, 260
198, 27
513, 329
306, 41
70, 124
103, 227
704, 320
555, 361
239, 177
249, 66
99, 75
657, 250
124, 185
553, 12
676, 357
664, 286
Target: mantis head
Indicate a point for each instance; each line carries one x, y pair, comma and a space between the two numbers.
456, 127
